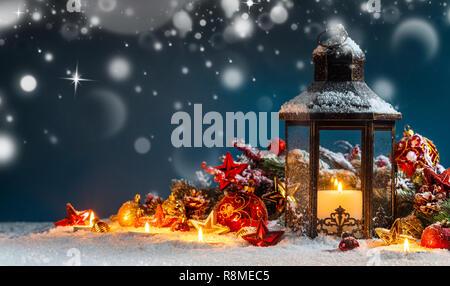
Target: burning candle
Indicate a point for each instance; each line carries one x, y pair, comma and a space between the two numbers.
406, 246
200, 235
329, 200
91, 219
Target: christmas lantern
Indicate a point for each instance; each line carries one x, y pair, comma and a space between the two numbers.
241, 209
334, 191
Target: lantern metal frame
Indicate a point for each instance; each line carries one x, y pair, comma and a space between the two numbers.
338, 122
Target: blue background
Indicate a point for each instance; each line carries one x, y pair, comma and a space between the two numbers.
92, 171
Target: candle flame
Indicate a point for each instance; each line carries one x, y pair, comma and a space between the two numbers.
200, 235
91, 219
340, 187
336, 182
147, 227
406, 246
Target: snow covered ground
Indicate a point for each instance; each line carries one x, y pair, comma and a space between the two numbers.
42, 244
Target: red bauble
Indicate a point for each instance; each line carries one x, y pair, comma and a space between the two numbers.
277, 146
348, 243
436, 236
414, 152
240, 209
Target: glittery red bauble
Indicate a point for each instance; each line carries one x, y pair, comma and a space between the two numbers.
240, 209
415, 152
436, 236
277, 146
348, 243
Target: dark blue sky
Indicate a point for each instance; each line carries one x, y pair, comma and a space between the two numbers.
94, 163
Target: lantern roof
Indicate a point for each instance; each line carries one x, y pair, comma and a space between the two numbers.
338, 90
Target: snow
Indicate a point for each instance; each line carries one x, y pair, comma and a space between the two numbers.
42, 244
341, 44
338, 97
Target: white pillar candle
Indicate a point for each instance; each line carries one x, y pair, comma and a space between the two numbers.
329, 200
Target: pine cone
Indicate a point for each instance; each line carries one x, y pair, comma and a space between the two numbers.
152, 202
181, 188
196, 205
428, 199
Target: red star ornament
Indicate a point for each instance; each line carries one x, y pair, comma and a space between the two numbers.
230, 170
442, 180
263, 237
75, 217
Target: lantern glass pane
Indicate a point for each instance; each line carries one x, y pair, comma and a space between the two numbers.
382, 179
339, 181
298, 178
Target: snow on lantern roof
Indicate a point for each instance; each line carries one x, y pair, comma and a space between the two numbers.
338, 90
340, 44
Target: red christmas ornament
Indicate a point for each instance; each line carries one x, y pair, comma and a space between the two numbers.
442, 180
436, 236
263, 237
226, 173
277, 146
75, 217
414, 151
348, 243
241, 209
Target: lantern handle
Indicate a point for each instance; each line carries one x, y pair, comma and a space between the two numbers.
343, 32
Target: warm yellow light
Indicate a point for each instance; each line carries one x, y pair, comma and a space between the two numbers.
406, 246
336, 182
200, 235
91, 219
147, 227
340, 187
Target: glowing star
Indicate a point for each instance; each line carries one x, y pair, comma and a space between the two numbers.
250, 4
210, 225
18, 12
76, 79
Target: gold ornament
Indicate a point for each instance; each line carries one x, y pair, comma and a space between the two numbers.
210, 225
130, 211
173, 207
408, 131
409, 227
245, 230
100, 226
279, 195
